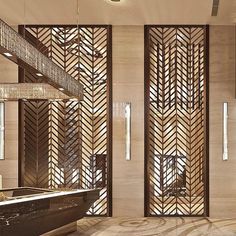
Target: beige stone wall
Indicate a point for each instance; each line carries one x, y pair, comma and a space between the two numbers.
128, 86
222, 89
9, 166
128, 74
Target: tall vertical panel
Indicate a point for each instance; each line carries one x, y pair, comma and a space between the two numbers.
67, 144
176, 120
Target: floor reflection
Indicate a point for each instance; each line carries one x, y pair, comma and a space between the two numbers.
155, 227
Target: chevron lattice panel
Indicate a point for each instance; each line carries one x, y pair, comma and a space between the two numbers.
176, 120
66, 143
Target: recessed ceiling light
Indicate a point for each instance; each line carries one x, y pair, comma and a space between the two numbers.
39, 74
7, 54
61, 89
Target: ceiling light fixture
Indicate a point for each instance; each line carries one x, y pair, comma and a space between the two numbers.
16, 91
7, 54
27, 56
39, 74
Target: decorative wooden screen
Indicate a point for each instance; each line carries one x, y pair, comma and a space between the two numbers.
176, 118
67, 144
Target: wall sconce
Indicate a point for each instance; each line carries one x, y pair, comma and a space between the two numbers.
128, 131
225, 131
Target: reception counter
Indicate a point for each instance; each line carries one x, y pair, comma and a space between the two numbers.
34, 211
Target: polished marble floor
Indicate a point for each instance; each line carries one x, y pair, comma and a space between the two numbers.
152, 227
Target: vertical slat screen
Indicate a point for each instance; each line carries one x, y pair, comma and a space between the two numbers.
67, 144
176, 118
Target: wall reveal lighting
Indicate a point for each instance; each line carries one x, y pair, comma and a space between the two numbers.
128, 131
225, 131
2, 124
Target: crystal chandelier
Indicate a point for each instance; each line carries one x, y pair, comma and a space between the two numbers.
42, 91
17, 49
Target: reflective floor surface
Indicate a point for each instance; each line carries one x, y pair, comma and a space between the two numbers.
151, 227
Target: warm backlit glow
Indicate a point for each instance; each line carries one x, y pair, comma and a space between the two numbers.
225, 131
128, 131
2, 124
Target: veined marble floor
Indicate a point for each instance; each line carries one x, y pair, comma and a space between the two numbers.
175, 226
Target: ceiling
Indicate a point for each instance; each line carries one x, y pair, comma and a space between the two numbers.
127, 12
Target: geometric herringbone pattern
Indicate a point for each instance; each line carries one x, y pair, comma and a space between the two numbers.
67, 143
94, 122
35, 140
175, 120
